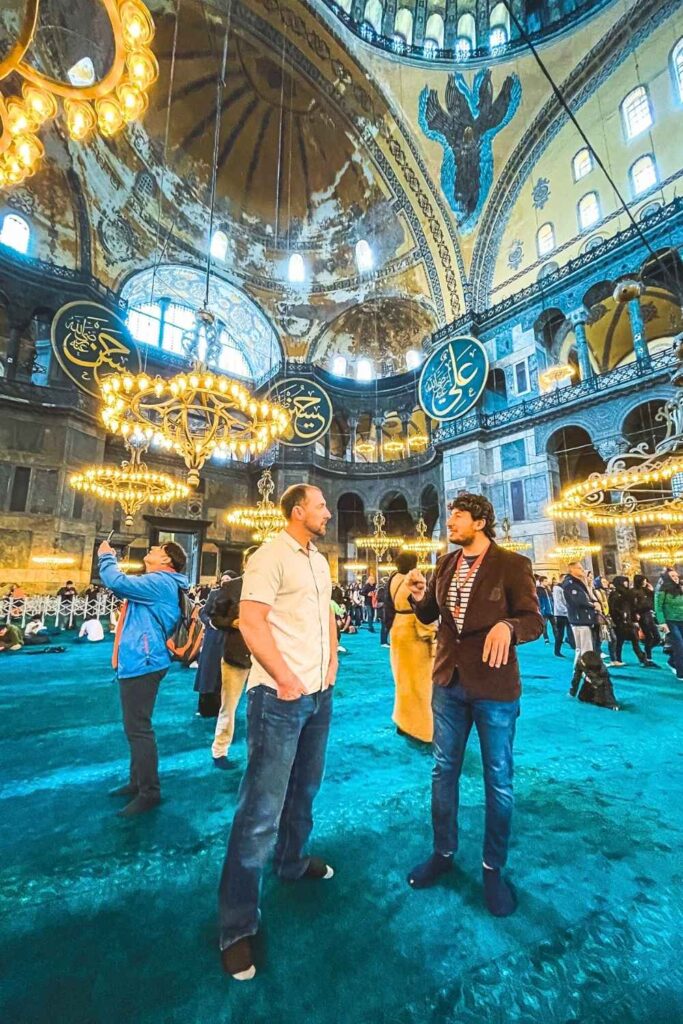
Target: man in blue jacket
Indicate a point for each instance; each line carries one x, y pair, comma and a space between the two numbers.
581, 609
141, 657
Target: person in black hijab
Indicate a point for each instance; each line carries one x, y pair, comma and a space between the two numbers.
623, 613
643, 603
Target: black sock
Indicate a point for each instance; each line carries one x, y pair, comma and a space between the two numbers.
426, 874
499, 896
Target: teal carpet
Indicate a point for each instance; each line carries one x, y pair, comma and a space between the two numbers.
106, 921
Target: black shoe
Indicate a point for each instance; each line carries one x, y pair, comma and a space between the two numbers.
139, 805
500, 897
429, 871
128, 790
238, 960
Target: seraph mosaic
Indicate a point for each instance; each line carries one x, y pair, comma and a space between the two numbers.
465, 130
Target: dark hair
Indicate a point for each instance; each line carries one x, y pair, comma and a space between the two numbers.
176, 554
294, 495
406, 561
478, 507
69, 582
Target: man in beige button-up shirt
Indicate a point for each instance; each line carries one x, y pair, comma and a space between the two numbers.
288, 624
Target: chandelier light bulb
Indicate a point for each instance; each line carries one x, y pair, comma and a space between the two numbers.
109, 116
142, 67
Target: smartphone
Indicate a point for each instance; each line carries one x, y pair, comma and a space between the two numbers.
110, 535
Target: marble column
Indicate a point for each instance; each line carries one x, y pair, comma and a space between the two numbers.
627, 549
378, 422
420, 22
577, 318
353, 437
628, 293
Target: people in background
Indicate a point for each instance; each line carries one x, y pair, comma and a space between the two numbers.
141, 657
591, 682
486, 600
622, 610
643, 604
581, 611
207, 682
10, 638
562, 627
36, 632
607, 634
380, 609
669, 615
288, 626
546, 605
367, 593
17, 595
67, 592
235, 660
91, 629
413, 647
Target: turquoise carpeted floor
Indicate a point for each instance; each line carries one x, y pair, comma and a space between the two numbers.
106, 921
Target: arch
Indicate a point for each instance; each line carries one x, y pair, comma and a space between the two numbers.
373, 15
350, 520
636, 112
676, 67
499, 25
588, 211
643, 175
572, 446
467, 29
495, 392
394, 504
545, 239
403, 24
640, 425
434, 30
219, 245
598, 292
430, 507
550, 329
15, 233
665, 270
582, 163
239, 314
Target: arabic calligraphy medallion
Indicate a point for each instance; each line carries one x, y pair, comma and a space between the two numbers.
309, 406
90, 341
453, 378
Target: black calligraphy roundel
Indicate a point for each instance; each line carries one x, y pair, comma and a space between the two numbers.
90, 342
453, 378
309, 407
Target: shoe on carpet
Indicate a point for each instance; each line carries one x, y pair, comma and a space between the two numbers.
318, 870
617, 664
649, 664
499, 895
139, 805
238, 960
429, 871
128, 790
221, 762
385, 645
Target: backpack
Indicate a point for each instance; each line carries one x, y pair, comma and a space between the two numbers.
185, 641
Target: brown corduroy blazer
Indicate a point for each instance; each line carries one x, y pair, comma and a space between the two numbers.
503, 591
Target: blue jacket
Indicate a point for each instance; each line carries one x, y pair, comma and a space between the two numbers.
152, 614
580, 608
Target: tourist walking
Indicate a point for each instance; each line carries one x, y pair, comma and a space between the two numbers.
669, 615
561, 622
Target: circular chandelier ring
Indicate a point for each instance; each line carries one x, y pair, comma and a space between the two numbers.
26, 33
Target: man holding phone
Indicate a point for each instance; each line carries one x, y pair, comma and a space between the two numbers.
288, 624
141, 658
486, 600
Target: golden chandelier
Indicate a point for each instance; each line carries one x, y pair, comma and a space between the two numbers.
198, 413
510, 543
265, 518
378, 542
422, 545
131, 484
663, 548
637, 486
572, 546
554, 375
118, 97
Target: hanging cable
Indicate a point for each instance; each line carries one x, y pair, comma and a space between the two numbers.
220, 86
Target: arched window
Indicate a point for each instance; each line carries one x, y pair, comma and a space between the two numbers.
15, 233
364, 257
346, 5
545, 239
364, 369
339, 366
582, 164
296, 270
676, 61
177, 320
650, 210
373, 15
547, 269
413, 358
144, 323
219, 245
467, 30
636, 112
499, 23
593, 243
231, 359
434, 31
643, 175
403, 25
589, 211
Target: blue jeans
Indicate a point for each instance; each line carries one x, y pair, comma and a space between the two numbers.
286, 742
676, 637
454, 714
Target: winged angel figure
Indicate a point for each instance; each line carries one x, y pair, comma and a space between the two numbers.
466, 130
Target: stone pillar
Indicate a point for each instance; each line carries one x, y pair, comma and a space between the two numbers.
357, 10
628, 293
388, 18
450, 30
577, 318
420, 22
326, 444
627, 549
377, 422
353, 437
405, 428
16, 333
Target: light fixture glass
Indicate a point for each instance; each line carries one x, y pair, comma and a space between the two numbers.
296, 269
265, 519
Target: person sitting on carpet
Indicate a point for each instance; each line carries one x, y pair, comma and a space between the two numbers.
591, 682
10, 638
91, 631
36, 632
141, 657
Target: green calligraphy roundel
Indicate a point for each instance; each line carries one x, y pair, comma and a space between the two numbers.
453, 378
309, 407
90, 342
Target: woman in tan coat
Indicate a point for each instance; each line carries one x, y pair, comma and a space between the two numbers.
412, 658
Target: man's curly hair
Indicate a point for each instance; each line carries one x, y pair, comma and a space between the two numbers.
478, 507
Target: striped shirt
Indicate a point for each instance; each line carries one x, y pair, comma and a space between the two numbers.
458, 582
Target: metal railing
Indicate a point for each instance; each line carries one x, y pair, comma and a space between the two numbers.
560, 399
392, 466
64, 612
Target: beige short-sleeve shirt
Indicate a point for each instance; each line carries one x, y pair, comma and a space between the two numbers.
296, 584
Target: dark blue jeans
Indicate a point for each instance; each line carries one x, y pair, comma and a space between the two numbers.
286, 742
454, 714
676, 638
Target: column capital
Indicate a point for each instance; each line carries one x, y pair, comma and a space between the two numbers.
608, 447
578, 316
626, 291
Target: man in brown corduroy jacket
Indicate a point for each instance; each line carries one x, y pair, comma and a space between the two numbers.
485, 598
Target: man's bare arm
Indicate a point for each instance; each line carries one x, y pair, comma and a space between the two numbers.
258, 636
334, 660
